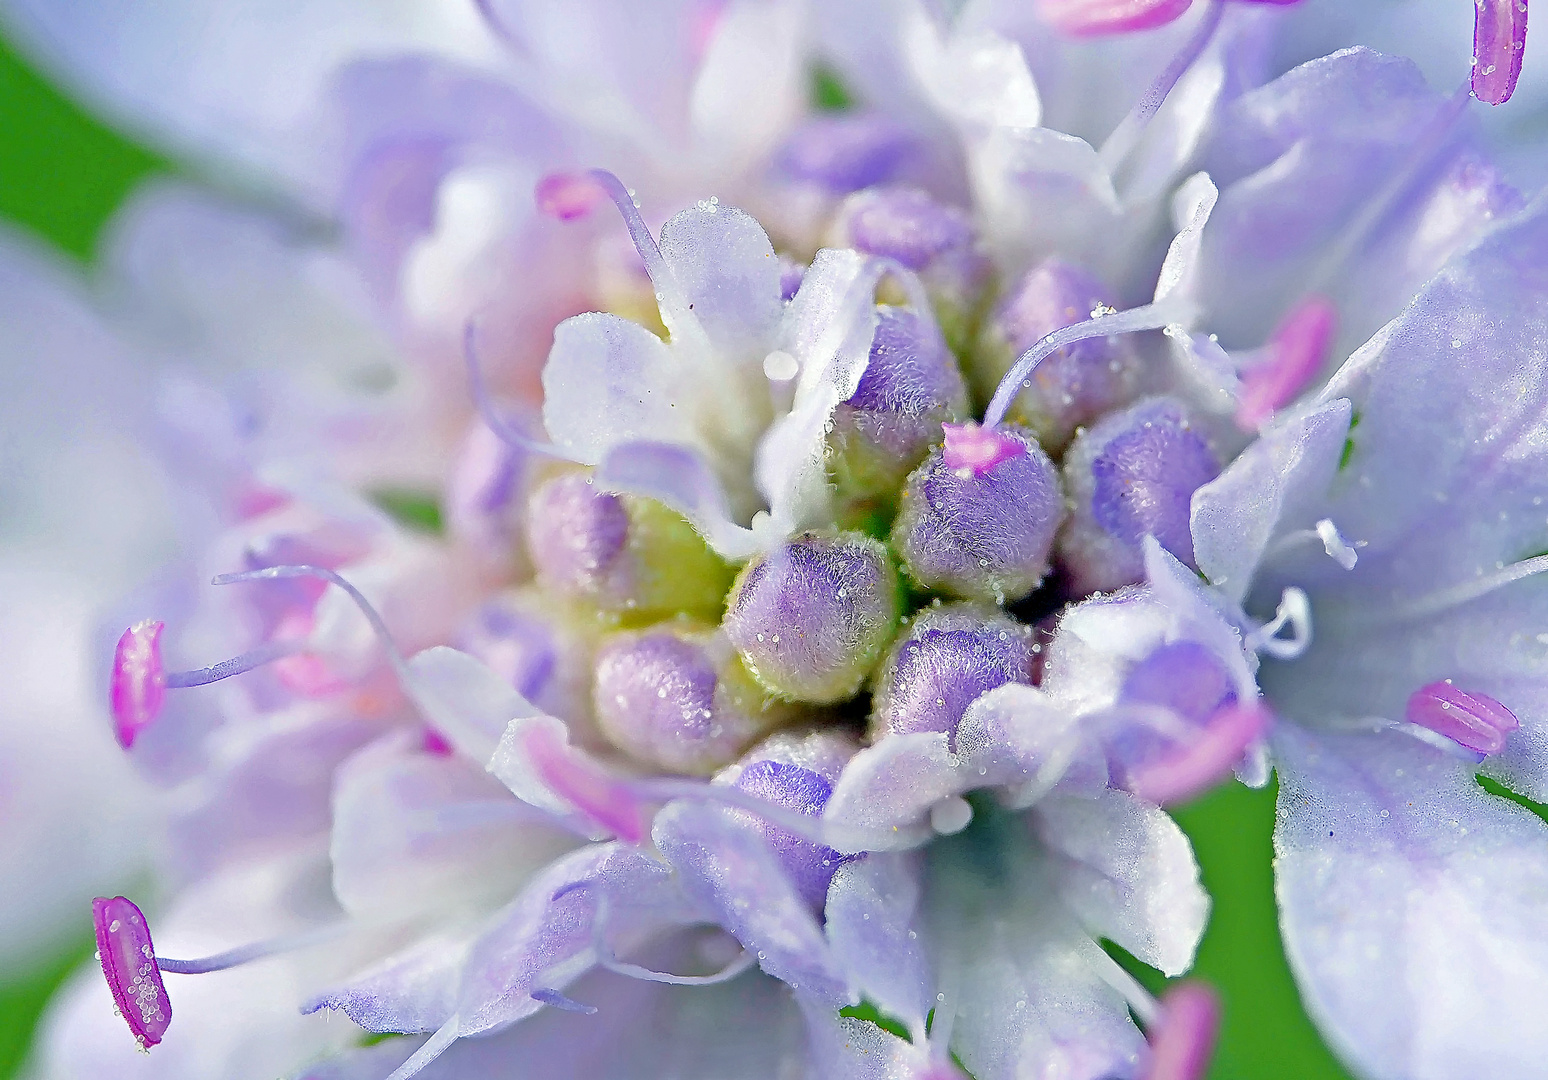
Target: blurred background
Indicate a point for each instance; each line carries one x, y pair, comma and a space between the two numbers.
62, 175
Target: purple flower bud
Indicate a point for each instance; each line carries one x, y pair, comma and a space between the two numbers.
981, 533
937, 242
129, 964
811, 617
796, 773
671, 698
910, 387
845, 153
1469, 719
947, 657
627, 555
1182, 677
1130, 476
1071, 386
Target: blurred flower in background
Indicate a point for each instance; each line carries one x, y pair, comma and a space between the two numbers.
913, 774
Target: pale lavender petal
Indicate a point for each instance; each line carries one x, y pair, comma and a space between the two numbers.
679, 478
601, 894
242, 87
1397, 189
730, 869
1276, 485
886, 791
416, 832
1130, 875
725, 266
1395, 868
1091, 18
873, 922
468, 704
414, 989
610, 381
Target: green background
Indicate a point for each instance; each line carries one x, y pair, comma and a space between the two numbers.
62, 174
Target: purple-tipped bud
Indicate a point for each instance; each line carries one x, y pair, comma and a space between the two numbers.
796, 773
129, 965
139, 681
811, 618
627, 555
1499, 43
910, 387
1071, 386
1132, 475
1471, 720
947, 657
1182, 1039
846, 153
935, 241
981, 532
671, 698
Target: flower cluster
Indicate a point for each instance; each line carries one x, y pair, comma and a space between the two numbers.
801, 692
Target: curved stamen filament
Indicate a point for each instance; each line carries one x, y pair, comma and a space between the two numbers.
1149, 317
237, 665
246, 954
1128, 131
1294, 611
483, 401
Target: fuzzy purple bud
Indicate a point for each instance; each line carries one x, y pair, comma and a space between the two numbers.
981, 533
811, 618
1073, 385
1469, 719
841, 154
1132, 475
796, 773
946, 658
910, 387
671, 698
936, 241
129, 964
628, 555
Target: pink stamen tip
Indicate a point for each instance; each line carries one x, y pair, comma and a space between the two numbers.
568, 195
1206, 761
977, 449
129, 965
1183, 1038
139, 684
579, 780
1499, 43
1469, 719
1096, 18
435, 743
1297, 351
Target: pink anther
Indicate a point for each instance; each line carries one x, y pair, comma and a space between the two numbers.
139, 682
129, 964
568, 195
977, 449
1182, 1039
1296, 353
1499, 43
1469, 719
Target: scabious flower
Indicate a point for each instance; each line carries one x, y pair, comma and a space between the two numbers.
832, 647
